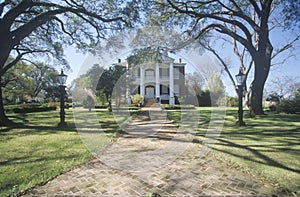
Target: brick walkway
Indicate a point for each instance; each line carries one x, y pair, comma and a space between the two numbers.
153, 158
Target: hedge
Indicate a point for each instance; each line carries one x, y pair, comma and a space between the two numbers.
37, 109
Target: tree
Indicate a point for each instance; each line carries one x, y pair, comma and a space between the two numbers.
108, 80
84, 87
194, 83
31, 27
247, 22
28, 80
216, 88
285, 86
291, 105
42, 78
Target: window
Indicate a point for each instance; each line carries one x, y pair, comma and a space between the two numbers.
176, 89
164, 89
164, 72
149, 73
138, 72
176, 73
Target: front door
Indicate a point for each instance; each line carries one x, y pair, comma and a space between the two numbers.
150, 92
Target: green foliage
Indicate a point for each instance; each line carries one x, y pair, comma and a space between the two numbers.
36, 109
31, 29
111, 82
290, 106
210, 22
30, 107
231, 101
109, 79
84, 82
177, 107
31, 80
137, 99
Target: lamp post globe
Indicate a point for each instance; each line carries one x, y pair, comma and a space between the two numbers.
62, 78
240, 79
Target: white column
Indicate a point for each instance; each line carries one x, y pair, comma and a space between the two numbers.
171, 87
157, 82
142, 81
128, 99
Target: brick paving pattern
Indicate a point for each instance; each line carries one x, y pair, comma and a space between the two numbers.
141, 163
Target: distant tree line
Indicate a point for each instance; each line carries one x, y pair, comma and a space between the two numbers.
30, 82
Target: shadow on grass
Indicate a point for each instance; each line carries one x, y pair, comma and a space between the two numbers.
261, 158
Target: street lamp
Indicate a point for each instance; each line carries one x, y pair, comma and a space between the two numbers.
240, 78
62, 78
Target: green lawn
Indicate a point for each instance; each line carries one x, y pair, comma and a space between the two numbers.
37, 150
268, 147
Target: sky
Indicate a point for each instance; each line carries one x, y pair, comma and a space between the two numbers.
81, 62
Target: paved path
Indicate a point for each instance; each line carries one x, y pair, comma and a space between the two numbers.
153, 158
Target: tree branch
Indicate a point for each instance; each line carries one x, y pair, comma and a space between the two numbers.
287, 46
214, 15
209, 48
255, 6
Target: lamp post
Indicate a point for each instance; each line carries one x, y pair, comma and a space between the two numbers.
62, 78
240, 83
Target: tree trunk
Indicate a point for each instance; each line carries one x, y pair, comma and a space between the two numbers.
262, 68
109, 106
5, 48
4, 121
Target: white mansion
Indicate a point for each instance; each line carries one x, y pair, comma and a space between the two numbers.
161, 80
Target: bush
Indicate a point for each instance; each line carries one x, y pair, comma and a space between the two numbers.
232, 101
204, 99
167, 106
10, 108
29, 110
30, 105
291, 106
137, 100
101, 106
53, 104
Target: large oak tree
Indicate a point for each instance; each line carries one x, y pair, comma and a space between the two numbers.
248, 22
33, 27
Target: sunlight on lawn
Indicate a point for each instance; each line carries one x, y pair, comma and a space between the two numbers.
38, 150
267, 147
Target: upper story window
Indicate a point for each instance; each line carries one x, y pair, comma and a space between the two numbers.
149, 74
164, 72
176, 73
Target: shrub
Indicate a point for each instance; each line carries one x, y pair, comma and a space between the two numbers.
232, 101
53, 104
30, 105
290, 106
10, 108
29, 110
137, 100
101, 106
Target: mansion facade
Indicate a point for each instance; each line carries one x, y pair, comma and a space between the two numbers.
160, 81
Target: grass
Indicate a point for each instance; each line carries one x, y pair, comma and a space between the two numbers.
38, 150
268, 147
